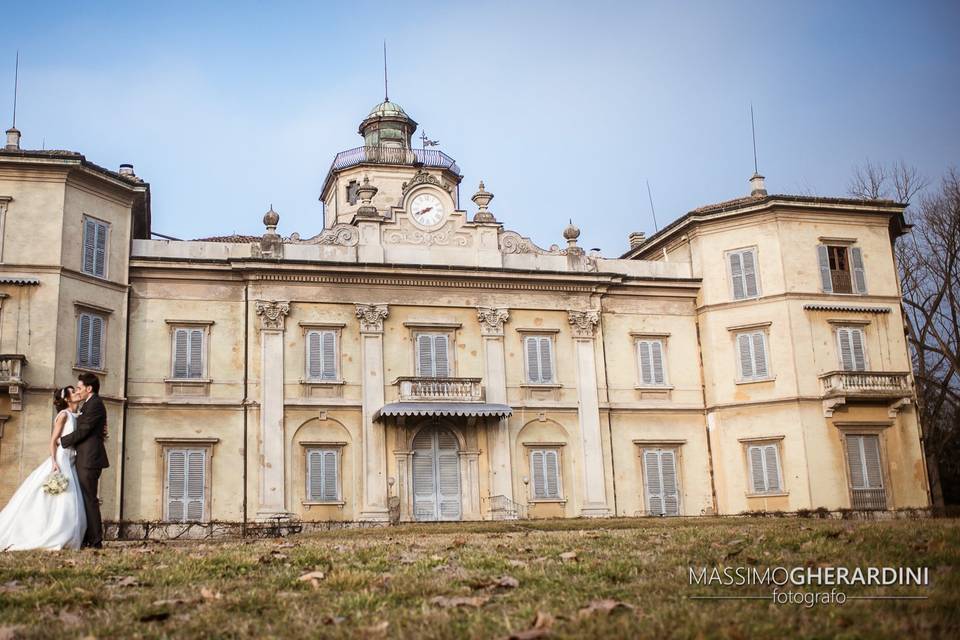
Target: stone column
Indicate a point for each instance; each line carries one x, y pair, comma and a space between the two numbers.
495, 384
404, 460
272, 474
374, 434
584, 324
470, 489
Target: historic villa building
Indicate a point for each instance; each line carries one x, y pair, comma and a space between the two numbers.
414, 362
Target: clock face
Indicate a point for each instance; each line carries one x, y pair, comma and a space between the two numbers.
426, 209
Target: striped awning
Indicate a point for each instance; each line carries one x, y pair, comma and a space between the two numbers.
840, 307
466, 409
18, 281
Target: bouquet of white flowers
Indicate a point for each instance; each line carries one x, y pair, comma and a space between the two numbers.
56, 483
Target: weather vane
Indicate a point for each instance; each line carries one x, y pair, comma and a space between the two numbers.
427, 142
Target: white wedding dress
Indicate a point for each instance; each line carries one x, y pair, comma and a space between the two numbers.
37, 520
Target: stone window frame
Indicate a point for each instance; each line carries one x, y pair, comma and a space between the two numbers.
755, 327
755, 250
776, 440
79, 308
546, 332
106, 247
529, 448
648, 336
875, 428
451, 329
205, 326
305, 329
677, 446
305, 447
164, 444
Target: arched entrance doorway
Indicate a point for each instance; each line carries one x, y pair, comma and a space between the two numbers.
436, 475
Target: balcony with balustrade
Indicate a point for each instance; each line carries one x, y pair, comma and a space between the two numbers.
394, 155
840, 387
11, 378
447, 389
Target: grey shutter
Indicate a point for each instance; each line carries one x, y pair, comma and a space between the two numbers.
749, 273
855, 462
857, 351
96, 342
823, 260
196, 481
746, 356
772, 466
846, 349
759, 355
551, 470
330, 480
546, 359
100, 253
448, 475
424, 489
196, 354
180, 353
314, 355
83, 341
537, 471
871, 461
533, 359
89, 245
736, 275
329, 370
425, 354
656, 353
441, 356
859, 275
646, 364
654, 483
176, 484
756, 469
671, 496
315, 475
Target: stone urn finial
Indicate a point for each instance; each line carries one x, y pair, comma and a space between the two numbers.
366, 191
270, 220
271, 244
482, 198
571, 233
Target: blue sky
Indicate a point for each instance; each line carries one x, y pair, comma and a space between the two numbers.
563, 109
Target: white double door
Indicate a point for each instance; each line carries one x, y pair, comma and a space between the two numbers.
436, 475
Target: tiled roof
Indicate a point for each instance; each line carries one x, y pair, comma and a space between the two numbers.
63, 154
234, 237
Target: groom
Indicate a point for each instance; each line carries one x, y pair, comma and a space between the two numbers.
87, 439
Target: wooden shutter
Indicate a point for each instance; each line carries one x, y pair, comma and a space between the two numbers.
96, 342
83, 340
180, 353
551, 470
533, 359
196, 354
537, 472
749, 273
176, 484
329, 345
448, 475
745, 352
331, 469
855, 462
846, 349
771, 465
424, 487
736, 275
823, 261
863, 458
759, 355
89, 246
546, 359
314, 355
857, 349
441, 355
424, 355
196, 484
662, 484
322, 475
315, 475
100, 253
859, 274
651, 362
851, 342
757, 473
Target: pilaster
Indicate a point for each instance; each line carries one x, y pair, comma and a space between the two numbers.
371, 318
272, 500
495, 386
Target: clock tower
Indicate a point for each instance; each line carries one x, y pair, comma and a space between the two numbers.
421, 183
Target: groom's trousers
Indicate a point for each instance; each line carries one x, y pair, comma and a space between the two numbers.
89, 480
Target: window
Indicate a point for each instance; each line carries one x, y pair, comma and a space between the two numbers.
660, 481
866, 472
545, 471
752, 355
850, 346
650, 360
188, 353
352, 192
323, 475
539, 350
433, 355
321, 355
90, 333
95, 247
186, 485
764, 462
743, 273
841, 269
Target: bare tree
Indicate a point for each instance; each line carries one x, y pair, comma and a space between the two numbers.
928, 260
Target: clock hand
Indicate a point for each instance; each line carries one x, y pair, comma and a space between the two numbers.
425, 210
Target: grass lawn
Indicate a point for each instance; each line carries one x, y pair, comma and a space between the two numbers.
582, 578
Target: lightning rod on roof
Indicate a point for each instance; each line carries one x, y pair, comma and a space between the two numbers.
652, 210
16, 85
386, 94
753, 131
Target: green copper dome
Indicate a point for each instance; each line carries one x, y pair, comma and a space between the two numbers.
388, 109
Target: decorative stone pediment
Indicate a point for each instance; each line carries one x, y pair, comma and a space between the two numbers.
584, 323
272, 314
371, 317
513, 242
345, 235
492, 320
422, 177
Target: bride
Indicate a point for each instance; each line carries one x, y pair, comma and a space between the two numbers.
34, 519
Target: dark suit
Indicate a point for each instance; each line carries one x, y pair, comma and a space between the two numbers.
87, 439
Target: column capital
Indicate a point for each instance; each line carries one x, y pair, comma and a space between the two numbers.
492, 320
584, 323
272, 314
372, 317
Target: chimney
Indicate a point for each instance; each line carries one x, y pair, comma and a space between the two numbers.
127, 170
13, 138
757, 187
636, 239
